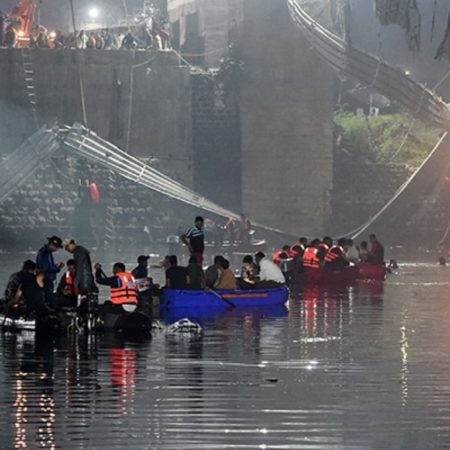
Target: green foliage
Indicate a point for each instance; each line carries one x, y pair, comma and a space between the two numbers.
380, 139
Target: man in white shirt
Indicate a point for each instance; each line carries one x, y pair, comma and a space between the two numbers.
270, 275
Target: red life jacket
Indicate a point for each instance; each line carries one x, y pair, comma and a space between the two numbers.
281, 256
298, 249
127, 293
332, 256
310, 258
70, 283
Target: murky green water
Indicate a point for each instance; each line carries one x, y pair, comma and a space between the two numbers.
362, 368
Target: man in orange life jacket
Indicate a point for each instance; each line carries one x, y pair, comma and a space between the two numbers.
67, 292
323, 247
335, 257
283, 254
311, 259
299, 247
124, 293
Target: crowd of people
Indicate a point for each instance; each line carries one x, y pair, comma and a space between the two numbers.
141, 37
324, 253
31, 291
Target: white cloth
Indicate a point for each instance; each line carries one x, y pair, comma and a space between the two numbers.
270, 272
129, 308
352, 254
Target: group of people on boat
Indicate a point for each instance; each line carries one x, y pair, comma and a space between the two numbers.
257, 273
30, 293
324, 253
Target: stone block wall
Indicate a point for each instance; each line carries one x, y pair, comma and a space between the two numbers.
216, 143
56, 200
287, 123
138, 100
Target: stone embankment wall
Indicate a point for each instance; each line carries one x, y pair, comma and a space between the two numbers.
140, 101
287, 122
57, 200
361, 189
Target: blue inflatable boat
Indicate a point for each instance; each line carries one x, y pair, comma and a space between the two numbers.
224, 299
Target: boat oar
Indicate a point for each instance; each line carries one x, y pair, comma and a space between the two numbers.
211, 291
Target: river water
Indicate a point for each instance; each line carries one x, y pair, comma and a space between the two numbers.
360, 368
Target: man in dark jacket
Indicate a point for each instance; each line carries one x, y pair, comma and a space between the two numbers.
15, 281
46, 263
84, 279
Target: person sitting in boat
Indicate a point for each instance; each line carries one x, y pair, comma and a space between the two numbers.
335, 257
322, 249
249, 273
212, 272
34, 304
13, 292
352, 253
311, 259
67, 292
144, 281
270, 275
376, 252
176, 276
226, 280
363, 251
196, 276
124, 292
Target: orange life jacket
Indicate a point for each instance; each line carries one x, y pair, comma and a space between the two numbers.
297, 248
127, 293
278, 257
331, 255
310, 258
70, 283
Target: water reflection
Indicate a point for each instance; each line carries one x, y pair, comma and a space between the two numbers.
347, 368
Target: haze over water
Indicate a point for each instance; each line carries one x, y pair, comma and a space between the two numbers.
360, 368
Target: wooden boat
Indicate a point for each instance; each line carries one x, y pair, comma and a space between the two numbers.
224, 299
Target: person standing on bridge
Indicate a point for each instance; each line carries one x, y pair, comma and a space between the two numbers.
195, 239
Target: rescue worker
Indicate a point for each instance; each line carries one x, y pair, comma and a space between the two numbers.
299, 247
46, 263
335, 257
195, 239
311, 259
283, 254
143, 281
13, 293
67, 292
270, 275
124, 292
323, 248
84, 279
376, 252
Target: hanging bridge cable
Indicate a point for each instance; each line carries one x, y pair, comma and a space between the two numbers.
399, 191
89, 145
359, 66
